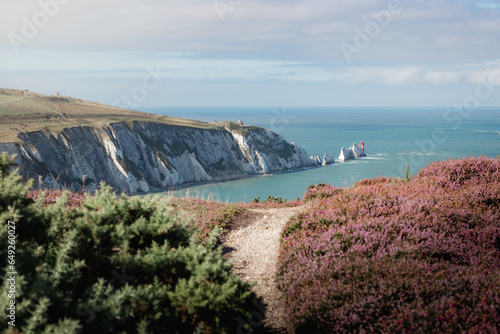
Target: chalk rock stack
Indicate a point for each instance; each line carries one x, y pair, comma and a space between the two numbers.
328, 159
316, 159
351, 153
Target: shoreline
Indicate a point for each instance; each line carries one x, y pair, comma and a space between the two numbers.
172, 189
235, 178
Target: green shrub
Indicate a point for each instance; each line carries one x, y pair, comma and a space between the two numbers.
272, 199
407, 173
114, 265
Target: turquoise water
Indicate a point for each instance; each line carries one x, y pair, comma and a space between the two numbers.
393, 138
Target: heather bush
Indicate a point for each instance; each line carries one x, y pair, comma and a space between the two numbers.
205, 215
460, 173
273, 203
390, 256
376, 181
73, 199
319, 191
113, 265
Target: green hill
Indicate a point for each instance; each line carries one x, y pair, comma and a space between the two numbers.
24, 111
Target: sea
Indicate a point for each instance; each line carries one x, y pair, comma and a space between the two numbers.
393, 138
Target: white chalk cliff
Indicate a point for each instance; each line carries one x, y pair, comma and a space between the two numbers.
351, 153
151, 155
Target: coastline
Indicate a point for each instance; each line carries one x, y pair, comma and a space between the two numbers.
170, 190
235, 178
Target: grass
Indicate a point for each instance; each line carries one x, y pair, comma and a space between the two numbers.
23, 112
239, 129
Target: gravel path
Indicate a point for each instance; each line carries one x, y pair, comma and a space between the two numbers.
253, 245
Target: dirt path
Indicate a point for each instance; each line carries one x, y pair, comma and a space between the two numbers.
253, 245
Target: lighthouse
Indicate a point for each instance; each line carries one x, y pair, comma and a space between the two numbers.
363, 146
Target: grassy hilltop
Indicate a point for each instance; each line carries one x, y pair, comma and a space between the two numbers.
24, 111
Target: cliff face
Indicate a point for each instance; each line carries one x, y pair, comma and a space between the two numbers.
150, 155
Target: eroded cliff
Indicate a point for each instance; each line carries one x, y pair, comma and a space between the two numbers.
143, 155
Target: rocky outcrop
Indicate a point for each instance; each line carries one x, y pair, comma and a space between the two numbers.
328, 159
351, 153
316, 159
346, 154
150, 155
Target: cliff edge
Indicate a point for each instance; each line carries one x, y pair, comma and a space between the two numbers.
141, 151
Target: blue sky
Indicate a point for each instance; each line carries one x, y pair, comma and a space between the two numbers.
182, 53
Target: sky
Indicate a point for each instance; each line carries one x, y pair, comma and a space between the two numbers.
255, 53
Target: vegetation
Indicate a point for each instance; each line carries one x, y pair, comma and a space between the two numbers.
243, 130
390, 256
26, 112
205, 215
407, 173
103, 264
419, 255
270, 199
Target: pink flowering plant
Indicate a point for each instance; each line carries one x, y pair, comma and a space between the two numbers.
389, 256
72, 199
206, 215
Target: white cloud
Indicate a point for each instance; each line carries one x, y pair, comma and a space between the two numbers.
189, 66
453, 75
431, 42
301, 29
